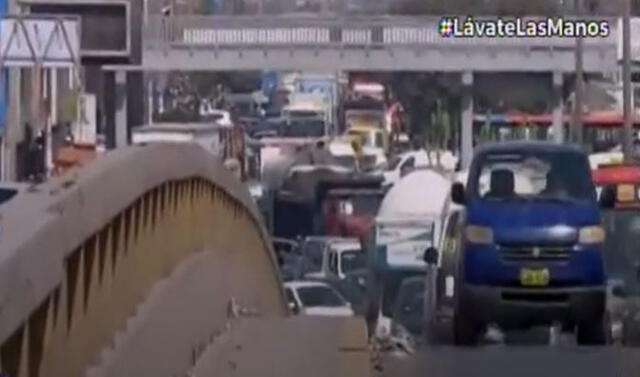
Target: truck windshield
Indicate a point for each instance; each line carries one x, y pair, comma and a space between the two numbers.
364, 204
365, 120
537, 176
352, 260
304, 128
622, 259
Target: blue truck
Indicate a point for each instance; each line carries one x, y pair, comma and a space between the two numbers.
529, 245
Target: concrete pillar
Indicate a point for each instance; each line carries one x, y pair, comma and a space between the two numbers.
13, 125
466, 139
557, 117
121, 131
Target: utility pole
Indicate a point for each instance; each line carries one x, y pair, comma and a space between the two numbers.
627, 142
577, 132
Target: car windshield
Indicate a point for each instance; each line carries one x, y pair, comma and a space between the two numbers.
320, 296
622, 259
537, 176
352, 260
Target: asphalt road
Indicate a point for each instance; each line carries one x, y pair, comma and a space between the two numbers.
516, 360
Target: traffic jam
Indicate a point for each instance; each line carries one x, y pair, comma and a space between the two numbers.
533, 234
368, 221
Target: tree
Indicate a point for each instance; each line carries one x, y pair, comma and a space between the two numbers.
438, 131
485, 132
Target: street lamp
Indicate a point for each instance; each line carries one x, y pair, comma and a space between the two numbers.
627, 145
577, 132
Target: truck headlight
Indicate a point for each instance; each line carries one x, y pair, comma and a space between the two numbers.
479, 234
591, 234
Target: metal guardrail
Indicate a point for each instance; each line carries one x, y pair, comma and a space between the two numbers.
282, 31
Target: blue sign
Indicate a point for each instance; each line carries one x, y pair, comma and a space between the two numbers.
4, 78
269, 83
313, 85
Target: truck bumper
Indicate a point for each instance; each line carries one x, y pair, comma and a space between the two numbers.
513, 308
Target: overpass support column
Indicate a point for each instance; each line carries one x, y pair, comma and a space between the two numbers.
557, 119
121, 109
466, 139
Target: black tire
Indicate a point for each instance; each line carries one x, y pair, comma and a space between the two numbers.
465, 331
594, 333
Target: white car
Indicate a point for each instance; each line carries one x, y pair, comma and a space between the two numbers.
317, 299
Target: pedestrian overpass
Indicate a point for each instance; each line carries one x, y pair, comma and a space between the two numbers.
153, 261
357, 43
382, 43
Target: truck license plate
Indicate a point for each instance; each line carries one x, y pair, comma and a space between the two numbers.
534, 277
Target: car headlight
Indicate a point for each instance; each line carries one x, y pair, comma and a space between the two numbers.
591, 234
479, 234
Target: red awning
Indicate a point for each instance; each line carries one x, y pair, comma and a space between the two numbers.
612, 175
607, 118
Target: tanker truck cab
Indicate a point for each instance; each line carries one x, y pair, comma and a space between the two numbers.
531, 243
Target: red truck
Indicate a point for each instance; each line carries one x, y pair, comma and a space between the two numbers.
348, 207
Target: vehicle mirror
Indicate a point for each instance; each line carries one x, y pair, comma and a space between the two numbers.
457, 193
607, 198
293, 307
619, 291
431, 256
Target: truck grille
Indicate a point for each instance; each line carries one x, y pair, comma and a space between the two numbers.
535, 253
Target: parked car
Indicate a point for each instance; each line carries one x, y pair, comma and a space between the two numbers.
316, 298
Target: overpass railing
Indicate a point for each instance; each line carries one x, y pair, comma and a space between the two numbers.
335, 32
80, 254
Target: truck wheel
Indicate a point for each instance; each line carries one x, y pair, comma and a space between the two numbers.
594, 333
465, 332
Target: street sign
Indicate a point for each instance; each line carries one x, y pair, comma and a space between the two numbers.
52, 42
87, 122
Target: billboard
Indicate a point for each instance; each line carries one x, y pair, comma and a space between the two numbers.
105, 25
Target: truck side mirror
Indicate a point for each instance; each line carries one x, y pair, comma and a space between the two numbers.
430, 256
607, 198
457, 193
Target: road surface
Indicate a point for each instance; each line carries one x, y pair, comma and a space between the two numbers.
516, 360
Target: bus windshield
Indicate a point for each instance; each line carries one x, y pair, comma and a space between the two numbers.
545, 175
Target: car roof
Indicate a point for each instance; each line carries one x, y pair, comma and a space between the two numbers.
305, 284
525, 146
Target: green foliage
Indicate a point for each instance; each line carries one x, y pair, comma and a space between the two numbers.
486, 133
68, 107
438, 132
